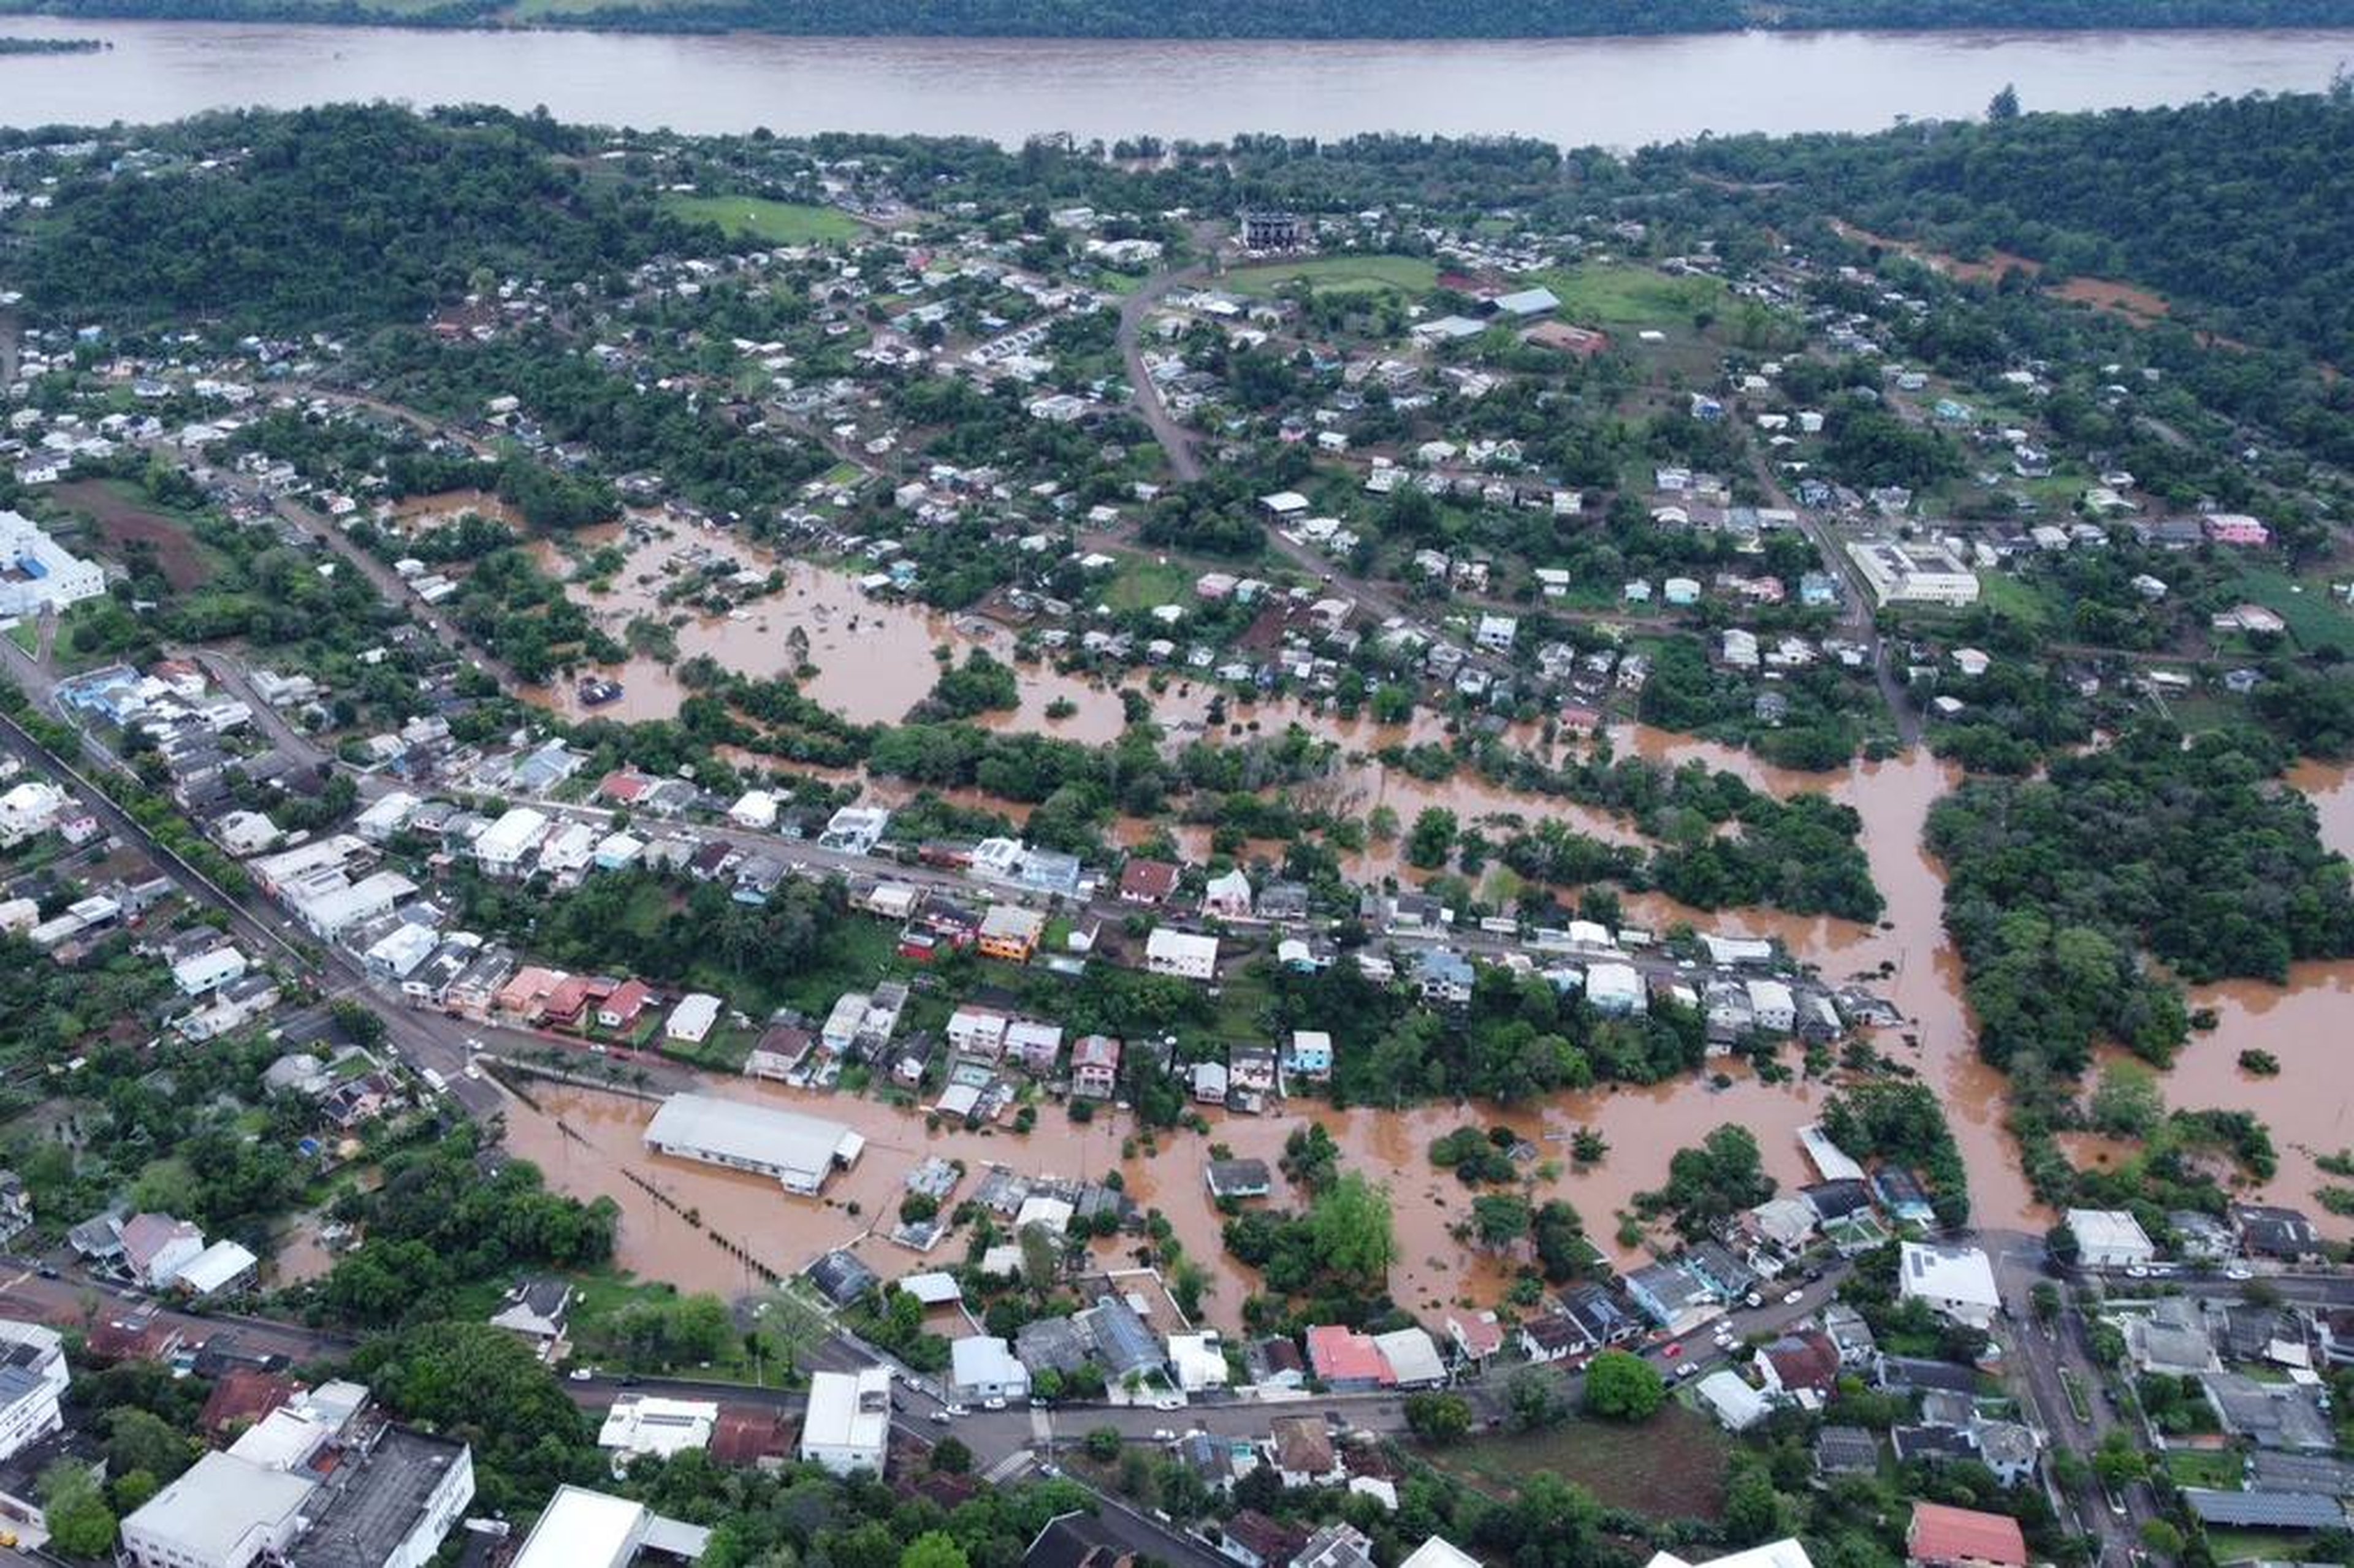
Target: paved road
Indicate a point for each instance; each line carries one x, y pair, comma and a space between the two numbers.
1175, 440
73, 1299
2039, 1358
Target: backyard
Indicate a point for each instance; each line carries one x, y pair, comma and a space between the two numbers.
1673, 1470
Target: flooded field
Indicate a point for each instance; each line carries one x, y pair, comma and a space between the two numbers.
874, 660
602, 1150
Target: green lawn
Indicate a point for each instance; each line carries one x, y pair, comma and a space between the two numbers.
2314, 619
2191, 1468
2023, 601
1672, 1467
777, 222
1629, 297
26, 635
1141, 583
1339, 275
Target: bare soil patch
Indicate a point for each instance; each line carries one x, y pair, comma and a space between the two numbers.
122, 523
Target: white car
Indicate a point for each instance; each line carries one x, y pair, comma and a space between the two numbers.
992, 1405
1168, 1402
1794, 1298
1163, 1435
954, 1410
941, 1417
2236, 1272
579, 1374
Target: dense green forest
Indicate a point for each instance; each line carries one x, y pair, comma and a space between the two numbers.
1232, 19
341, 216
2240, 209
2060, 891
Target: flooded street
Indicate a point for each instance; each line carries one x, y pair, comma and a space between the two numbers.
874, 660
1644, 1126
1908, 961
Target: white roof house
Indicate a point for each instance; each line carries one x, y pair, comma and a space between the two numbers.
692, 1019
1772, 1006
581, 1529
1413, 1356
1199, 1361
1180, 953
848, 1425
800, 1151
647, 1424
1732, 1401
1784, 1553
216, 1267
201, 972
1955, 1281
1615, 989
2110, 1238
982, 1366
1439, 1552
505, 842
37, 572
755, 809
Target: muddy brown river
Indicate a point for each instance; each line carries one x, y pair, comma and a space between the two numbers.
1608, 91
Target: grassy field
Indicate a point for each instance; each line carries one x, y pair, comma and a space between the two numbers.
2023, 601
2314, 619
1671, 1467
1339, 275
777, 222
1141, 583
2190, 1467
1630, 298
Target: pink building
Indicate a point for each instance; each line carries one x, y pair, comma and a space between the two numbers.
2235, 529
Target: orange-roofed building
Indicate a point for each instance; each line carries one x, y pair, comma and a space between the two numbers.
1942, 1537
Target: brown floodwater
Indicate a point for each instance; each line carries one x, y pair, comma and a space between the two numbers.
426, 513
1907, 959
2304, 1024
1644, 1126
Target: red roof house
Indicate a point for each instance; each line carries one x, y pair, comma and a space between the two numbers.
1342, 1359
1145, 881
1942, 1537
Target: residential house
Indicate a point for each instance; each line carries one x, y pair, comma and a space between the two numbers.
1181, 954
1802, 1368
1255, 1540
983, 1367
1094, 1067
1300, 1447
1011, 932
1957, 1282
1551, 1339
1346, 1362
1310, 1054
1944, 1537
1147, 881
535, 1311
2279, 1234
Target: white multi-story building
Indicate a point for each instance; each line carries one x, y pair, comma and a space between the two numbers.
1914, 572
36, 573
33, 1379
